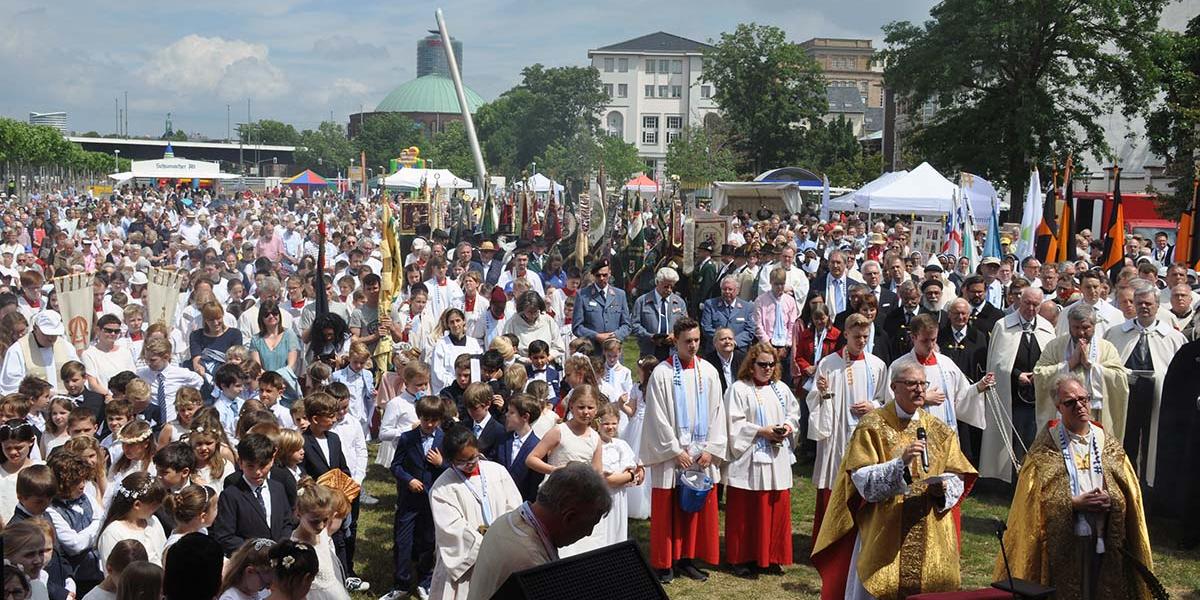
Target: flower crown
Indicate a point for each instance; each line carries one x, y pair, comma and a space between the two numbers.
136, 439
138, 493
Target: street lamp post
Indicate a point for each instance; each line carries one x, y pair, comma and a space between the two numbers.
116, 160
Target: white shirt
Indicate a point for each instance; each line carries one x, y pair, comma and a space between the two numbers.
174, 378
266, 496
354, 446
478, 426
13, 369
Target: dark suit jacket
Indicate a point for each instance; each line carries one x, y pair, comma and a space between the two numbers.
527, 479
278, 473
409, 463
882, 346
240, 517
315, 462
594, 315
491, 271
490, 438
715, 314
970, 355
897, 332
988, 317
735, 364
552, 377
887, 301
56, 568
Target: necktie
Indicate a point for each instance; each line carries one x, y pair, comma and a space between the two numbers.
662, 319
958, 337
1143, 348
777, 333
839, 302
478, 429
261, 502
161, 395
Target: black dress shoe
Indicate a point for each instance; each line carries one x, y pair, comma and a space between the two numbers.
744, 571
691, 572
665, 576
772, 570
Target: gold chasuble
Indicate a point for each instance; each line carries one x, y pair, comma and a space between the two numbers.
1042, 541
909, 542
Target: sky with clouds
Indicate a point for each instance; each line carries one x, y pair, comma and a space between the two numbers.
298, 61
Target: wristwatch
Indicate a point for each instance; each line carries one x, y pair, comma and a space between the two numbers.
826, 395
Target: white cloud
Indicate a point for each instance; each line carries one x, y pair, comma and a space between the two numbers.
230, 69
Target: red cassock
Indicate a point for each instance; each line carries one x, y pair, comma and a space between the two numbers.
758, 527
675, 534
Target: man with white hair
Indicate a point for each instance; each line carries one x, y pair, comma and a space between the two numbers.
654, 315
1176, 276
1146, 346
1016, 345
1095, 360
872, 274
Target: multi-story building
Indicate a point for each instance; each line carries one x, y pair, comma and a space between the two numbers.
849, 63
654, 89
57, 120
431, 56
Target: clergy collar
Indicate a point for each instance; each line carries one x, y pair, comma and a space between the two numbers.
904, 416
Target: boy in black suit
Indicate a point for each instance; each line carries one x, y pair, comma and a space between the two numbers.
523, 410
539, 367
462, 378
73, 376
417, 463
322, 453
174, 464
36, 487
487, 430
491, 369
255, 506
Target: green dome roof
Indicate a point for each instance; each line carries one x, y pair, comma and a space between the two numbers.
428, 94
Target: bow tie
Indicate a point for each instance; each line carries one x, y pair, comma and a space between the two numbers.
79, 502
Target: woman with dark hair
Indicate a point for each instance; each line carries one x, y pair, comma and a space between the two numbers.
878, 342
453, 343
141, 580
274, 348
105, 357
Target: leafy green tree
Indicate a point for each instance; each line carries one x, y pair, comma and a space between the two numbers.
1017, 86
1174, 125
766, 88
699, 158
828, 143
269, 132
451, 149
325, 149
384, 135
855, 171
621, 160
550, 107
575, 159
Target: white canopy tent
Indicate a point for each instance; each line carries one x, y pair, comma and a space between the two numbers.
173, 168
540, 183
860, 199
751, 195
922, 191
413, 178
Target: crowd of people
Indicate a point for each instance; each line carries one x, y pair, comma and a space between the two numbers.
230, 439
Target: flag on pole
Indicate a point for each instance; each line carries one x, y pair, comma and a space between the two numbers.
1045, 245
953, 239
391, 279
991, 247
1066, 229
322, 297
1031, 216
967, 220
487, 222
1114, 236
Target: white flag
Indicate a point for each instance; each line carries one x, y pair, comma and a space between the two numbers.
1030, 217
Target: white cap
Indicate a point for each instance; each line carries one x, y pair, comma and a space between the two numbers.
49, 322
139, 278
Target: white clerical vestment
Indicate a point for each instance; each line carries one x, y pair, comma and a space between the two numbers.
664, 434
457, 516
755, 464
441, 297
1107, 316
994, 461
963, 402
1164, 342
830, 421
1106, 381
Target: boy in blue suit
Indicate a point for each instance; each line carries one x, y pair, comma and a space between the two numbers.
417, 463
523, 410
539, 368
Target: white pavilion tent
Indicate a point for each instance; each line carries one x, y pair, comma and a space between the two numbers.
413, 178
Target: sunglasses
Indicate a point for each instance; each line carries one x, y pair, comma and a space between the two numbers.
111, 330
765, 365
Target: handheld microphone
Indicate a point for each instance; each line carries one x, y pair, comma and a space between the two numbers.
922, 436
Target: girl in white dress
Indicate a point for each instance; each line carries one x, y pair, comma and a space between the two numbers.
137, 451
194, 508
314, 509
573, 441
295, 568
187, 402
246, 572
211, 466
620, 471
639, 495
131, 516
56, 423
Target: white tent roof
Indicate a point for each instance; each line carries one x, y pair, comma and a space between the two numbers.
412, 178
788, 193
540, 183
859, 200
173, 168
922, 191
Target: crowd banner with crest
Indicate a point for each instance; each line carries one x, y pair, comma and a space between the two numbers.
162, 296
75, 304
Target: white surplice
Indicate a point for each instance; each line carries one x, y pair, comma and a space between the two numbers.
830, 422
457, 516
994, 461
947, 377
661, 432
755, 466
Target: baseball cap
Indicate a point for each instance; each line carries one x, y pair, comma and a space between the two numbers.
49, 322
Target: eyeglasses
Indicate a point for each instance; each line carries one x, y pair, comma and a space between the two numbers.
913, 383
116, 331
1075, 402
765, 365
466, 465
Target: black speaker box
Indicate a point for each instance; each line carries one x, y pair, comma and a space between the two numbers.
616, 571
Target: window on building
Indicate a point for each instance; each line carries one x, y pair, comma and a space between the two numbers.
623, 65
862, 87
672, 136
650, 65
649, 91
706, 91
651, 166
608, 90
675, 122
677, 66
622, 90
677, 91
649, 137
664, 66
616, 124
650, 122
663, 90
608, 65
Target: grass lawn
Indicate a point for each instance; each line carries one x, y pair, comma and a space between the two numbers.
1178, 570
